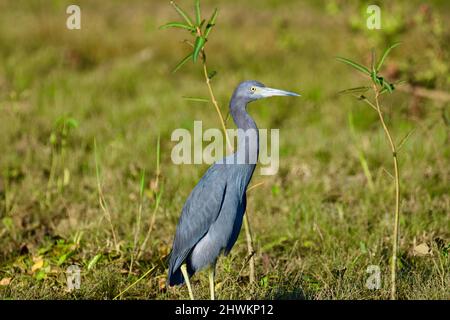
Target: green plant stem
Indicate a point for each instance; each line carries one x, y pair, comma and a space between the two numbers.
151, 225
158, 194
50, 178
397, 197
134, 283
214, 101
251, 252
136, 235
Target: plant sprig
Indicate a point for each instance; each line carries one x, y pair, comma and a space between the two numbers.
200, 31
380, 86
373, 72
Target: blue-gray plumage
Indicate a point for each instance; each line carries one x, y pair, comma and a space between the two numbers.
212, 215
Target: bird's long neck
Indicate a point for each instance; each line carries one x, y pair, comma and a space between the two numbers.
248, 137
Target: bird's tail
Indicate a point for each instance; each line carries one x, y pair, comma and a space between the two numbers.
175, 276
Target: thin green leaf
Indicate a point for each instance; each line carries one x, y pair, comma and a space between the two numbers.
380, 63
196, 99
142, 184
388, 173
182, 62
94, 261
393, 86
372, 61
62, 259
387, 87
188, 42
405, 138
227, 117
380, 81
72, 123
355, 65
97, 168
373, 76
274, 243
354, 90
211, 23
400, 82
197, 12
131, 285
366, 170
199, 43
182, 13
158, 154
177, 25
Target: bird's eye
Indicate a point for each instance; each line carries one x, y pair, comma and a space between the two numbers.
253, 89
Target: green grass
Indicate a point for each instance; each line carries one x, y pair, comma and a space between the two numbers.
317, 224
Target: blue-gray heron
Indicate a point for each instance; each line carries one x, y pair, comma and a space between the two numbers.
212, 215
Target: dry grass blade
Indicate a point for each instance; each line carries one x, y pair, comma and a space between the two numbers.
159, 193
405, 138
101, 198
138, 221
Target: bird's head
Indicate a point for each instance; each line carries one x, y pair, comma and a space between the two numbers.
253, 90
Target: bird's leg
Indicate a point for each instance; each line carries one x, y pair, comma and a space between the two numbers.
212, 273
186, 279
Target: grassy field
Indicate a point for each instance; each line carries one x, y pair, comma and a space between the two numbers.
317, 224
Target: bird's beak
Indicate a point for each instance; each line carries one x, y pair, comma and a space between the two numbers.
270, 92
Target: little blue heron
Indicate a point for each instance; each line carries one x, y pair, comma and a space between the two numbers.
212, 215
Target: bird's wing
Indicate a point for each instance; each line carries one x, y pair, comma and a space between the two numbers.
199, 212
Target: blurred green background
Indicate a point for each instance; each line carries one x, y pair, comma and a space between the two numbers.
318, 224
